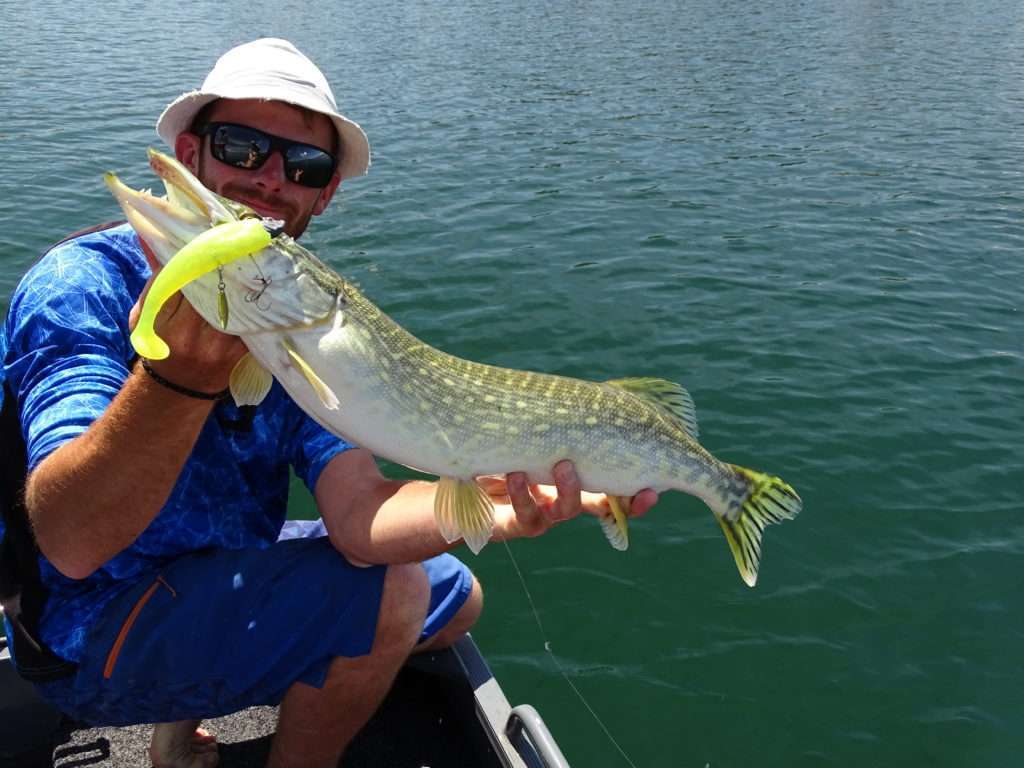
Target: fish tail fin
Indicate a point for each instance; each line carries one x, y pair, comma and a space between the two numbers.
766, 500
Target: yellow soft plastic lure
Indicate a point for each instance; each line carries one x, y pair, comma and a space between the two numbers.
206, 252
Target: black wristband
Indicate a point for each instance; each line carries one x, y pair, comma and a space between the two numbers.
180, 389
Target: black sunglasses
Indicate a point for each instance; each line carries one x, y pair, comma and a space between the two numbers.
243, 147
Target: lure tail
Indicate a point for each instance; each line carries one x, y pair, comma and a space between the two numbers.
206, 252
768, 500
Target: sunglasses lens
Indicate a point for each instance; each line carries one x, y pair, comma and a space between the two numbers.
308, 166
239, 146
248, 148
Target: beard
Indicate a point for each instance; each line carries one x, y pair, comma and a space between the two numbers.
273, 206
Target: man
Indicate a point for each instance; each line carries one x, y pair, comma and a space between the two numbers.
157, 505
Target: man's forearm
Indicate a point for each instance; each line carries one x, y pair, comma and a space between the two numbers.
383, 522
92, 497
371, 519
402, 527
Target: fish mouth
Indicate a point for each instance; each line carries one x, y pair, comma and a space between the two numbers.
261, 208
168, 223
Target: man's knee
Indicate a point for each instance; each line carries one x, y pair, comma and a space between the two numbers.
469, 613
460, 623
403, 608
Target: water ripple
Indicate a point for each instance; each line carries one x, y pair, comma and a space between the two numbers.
808, 214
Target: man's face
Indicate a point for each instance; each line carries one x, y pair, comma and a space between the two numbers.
266, 189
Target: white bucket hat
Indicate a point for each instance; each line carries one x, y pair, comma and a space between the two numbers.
274, 70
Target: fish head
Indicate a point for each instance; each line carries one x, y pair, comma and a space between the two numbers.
280, 286
168, 223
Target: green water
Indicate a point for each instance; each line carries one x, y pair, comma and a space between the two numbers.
810, 214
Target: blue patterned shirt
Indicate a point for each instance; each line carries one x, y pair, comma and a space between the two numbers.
66, 354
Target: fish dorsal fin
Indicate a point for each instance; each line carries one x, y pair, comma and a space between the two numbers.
250, 382
324, 392
464, 510
670, 398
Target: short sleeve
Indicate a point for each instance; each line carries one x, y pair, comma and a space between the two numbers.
312, 447
67, 344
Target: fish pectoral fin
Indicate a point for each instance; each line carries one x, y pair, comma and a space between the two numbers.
670, 398
250, 382
324, 392
463, 510
615, 524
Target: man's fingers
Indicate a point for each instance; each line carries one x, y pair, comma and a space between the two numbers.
495, 486
519, 495
539, 507
569, 502
202, 357
172, 306
642, 502
167, 311
133, 315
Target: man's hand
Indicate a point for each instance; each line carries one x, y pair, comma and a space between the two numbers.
82, 512
202, 357
525, 510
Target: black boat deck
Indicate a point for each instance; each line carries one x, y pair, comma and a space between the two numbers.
444, 711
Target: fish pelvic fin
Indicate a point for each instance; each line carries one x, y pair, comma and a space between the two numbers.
250, 382
325, 393
667, 396
615, 524
769, 500
463, 510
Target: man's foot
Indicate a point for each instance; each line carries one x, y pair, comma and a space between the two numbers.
182, 745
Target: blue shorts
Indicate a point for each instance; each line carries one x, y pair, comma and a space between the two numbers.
221, 630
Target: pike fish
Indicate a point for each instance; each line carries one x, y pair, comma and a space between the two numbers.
364, 377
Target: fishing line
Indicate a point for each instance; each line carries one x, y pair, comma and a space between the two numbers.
558, 664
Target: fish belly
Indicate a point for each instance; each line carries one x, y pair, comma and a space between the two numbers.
449, 417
